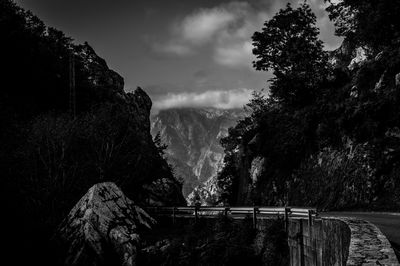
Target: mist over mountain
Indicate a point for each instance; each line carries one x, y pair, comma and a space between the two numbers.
192, 136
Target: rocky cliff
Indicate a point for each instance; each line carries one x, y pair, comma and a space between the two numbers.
50, 155
157, 185
193, 136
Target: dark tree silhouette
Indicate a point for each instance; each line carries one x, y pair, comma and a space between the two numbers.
289, 46
373, 23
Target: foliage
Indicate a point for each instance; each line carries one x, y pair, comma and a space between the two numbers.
42, 55
49, 158
373, 23
339, 148
161, 147
60, 158
275, 248
289, 45
335, 179
222, 242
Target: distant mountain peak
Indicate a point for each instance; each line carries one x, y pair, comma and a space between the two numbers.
193, 138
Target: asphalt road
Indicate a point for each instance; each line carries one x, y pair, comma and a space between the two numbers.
388, 223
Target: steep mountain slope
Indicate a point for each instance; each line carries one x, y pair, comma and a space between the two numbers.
54, 146
340, 151
192, 136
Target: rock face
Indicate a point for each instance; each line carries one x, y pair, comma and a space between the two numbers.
108, 86
193, 136
368, 245
102, 228
205, 195
99, 73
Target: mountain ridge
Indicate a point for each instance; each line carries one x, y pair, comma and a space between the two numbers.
192, 136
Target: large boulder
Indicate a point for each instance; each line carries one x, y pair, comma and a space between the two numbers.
102, 228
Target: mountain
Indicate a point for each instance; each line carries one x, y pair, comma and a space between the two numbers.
192, 136
66, 125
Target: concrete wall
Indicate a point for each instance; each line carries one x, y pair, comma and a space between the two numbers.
330, 242
325, 242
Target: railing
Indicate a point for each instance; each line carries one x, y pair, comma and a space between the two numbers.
235, 212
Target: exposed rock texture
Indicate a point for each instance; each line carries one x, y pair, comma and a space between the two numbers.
193, 136
338, 241
359, 58
368, 246
257, 167
149, 167
206, 195
103, 228
99, 73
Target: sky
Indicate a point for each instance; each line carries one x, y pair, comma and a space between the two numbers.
194, 53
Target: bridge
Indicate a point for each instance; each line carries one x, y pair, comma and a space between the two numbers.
256, 213
312, 239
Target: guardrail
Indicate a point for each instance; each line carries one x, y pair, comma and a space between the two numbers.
235, 212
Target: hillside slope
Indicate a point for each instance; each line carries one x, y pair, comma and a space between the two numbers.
54, 147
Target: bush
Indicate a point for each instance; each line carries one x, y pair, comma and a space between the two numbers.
221, 242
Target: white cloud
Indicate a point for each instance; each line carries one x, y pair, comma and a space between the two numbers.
227, 29
201, 26
217, 98
234, 54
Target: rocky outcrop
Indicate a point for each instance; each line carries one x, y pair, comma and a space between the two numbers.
103, 228
348, 56
257, 168
193, 136
140, 105
99, 75
205, 195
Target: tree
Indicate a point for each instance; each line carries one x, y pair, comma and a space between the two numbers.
365, 22
288, 44
257, 106
161, 147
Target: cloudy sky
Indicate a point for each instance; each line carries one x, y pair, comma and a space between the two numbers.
182, 52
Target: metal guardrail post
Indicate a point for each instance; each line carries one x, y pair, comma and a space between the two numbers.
173, 215
287, 210
255, 217
226, 211
196, 215
310, 221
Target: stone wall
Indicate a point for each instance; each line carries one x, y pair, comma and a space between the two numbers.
338, 241
329, 242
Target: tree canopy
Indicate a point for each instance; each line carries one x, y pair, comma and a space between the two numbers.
329, 133
373, 23
289, 46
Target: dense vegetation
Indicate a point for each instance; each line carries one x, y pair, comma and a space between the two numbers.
216, 242
328, 135
51, 153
